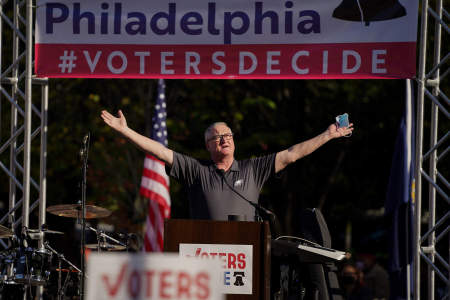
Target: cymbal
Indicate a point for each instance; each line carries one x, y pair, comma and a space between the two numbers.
106, 247
5, 232
45, 231
74, 211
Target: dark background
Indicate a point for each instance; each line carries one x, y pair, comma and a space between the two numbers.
346, 178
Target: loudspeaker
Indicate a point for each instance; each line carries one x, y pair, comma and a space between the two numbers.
369, 10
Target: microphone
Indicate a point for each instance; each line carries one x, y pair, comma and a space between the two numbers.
257, 206
85, 139
84, 142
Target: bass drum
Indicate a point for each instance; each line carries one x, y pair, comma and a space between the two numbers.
11, 291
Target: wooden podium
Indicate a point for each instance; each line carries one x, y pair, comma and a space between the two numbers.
178, 231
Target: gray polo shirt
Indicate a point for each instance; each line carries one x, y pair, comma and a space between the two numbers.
210, 197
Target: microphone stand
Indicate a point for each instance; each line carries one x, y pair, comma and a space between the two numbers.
61, 258
258, 208
84, 156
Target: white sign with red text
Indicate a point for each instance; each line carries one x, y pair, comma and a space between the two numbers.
226, 39
236, 262
120, 276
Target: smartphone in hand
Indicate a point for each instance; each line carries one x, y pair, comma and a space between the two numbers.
342, 120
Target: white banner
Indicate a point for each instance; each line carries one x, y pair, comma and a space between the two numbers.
236, 262
114, 276
226, 38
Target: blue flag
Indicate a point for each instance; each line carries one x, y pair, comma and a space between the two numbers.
399, 202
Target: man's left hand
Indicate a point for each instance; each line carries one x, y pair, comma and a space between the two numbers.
336, 132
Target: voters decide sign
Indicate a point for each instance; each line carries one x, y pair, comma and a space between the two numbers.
114, 276
288, 39
236, 261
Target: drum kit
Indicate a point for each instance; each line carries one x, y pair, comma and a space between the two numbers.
24, 266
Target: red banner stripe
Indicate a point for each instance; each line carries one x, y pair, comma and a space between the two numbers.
308, 61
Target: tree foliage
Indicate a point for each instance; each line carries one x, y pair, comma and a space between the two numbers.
345, 177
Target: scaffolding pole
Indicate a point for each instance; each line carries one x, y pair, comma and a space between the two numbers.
433, 243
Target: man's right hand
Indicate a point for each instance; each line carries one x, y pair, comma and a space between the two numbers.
119, 124
148, 145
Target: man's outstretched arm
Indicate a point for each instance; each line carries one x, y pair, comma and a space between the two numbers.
148, 145
294, 153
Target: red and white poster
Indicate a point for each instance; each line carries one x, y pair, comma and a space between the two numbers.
291, 39
121, 276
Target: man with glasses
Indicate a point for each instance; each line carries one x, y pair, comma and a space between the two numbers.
216, 187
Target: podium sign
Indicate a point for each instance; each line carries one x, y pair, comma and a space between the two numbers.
233, 238
236, 262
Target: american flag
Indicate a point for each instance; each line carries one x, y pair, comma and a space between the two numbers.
155, 182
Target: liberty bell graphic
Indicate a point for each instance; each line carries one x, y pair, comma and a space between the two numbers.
367, 11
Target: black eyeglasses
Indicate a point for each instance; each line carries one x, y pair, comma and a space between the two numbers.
219, 137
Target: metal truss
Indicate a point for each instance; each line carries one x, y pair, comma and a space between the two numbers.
432, 186
23, 124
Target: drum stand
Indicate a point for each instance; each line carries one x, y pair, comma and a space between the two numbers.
62, 289
101, 240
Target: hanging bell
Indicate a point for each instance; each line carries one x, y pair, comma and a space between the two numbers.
367, 11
